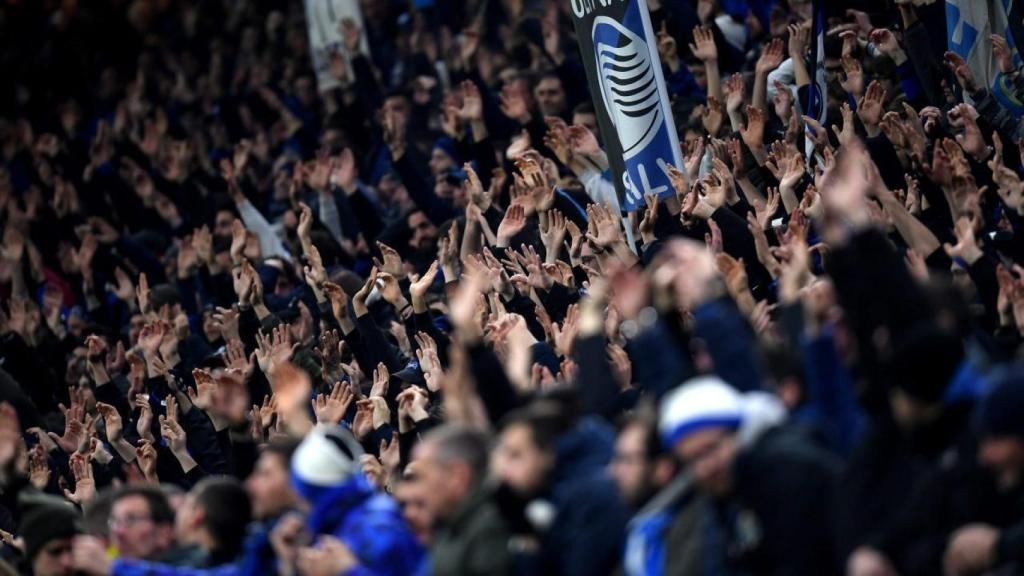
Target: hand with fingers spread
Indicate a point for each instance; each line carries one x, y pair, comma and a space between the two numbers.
275, 349
606, 231
966, 247
85, 485
870, 107
735, 88
703, 46
331, 408
753, 132
713, 115
771, 57
512, 224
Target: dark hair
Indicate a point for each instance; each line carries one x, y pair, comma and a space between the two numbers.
283, 449
584, 108
159, 507
546, 419
461, 443
646, 418
227, 511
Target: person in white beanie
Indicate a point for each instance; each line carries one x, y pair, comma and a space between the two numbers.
770, 486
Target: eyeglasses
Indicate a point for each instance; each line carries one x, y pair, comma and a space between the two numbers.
127, 521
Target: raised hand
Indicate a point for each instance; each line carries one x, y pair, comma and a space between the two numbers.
512, 224
1001, 51
852, 80
703, 46
712, 116
958, 66
331, 408
870, 107
392, 263
381, 377
85, 486
735, 88
275, 349
359, 298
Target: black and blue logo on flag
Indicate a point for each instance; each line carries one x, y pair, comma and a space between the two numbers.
628, 89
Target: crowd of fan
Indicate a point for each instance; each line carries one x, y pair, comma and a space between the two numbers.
404, 326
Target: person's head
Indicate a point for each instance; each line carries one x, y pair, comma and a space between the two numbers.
141, 522
451, 464
584, 115
639, 466
698, 422
47, 530
525, 457
423, 233
443, 156
269, 485
397, 103
211, 328
1001, 434
924, 360
410, 496
222, 222
550, 95
214, 515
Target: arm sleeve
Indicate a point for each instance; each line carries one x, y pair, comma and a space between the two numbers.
270, 244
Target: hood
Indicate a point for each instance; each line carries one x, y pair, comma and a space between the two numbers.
584, 450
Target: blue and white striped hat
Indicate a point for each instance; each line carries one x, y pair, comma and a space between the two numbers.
699, 403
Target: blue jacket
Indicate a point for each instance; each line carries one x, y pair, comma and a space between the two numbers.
369, 523
587, 533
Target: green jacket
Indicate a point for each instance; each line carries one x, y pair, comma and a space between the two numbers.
474, 541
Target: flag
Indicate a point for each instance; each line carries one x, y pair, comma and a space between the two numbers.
813, 97
620, 55
968, 26
323, 20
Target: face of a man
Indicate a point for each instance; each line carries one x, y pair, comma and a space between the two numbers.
520, 463
550, 96
269, 487
441, 492
1004, 455
630, 466
414, 509
186, 520
133, 531
423, 231
588, 120
709, 455
222, 223
439, 161
54, 559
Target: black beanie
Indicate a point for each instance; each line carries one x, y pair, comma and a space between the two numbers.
925, 359
1002, 411
45, 523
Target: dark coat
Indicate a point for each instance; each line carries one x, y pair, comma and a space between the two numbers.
778, 517
474, 541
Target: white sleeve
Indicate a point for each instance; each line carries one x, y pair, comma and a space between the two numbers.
270, 243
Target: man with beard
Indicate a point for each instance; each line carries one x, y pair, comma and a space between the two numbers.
663, 536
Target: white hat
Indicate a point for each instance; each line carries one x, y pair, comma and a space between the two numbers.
327, 456
702, 402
